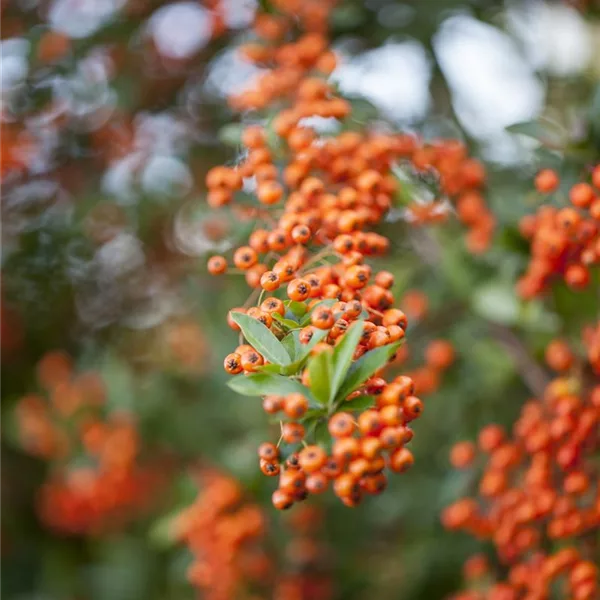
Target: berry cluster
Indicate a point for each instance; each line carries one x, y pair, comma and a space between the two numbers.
539, 488
591, 341
70, 428
226, 536
565, 242
439, 356
306, 574
319, 199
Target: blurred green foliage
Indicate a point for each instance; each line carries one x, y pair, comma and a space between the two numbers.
109, 310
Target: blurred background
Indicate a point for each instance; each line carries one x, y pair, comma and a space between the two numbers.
112, 113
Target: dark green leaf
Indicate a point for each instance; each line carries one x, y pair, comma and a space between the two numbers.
319, 370
364, 368
359, 403
343, 353
288, 324
292, 344
321, 434
271, 368
296, 308
262, 339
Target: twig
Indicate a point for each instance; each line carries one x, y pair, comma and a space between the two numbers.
535, 377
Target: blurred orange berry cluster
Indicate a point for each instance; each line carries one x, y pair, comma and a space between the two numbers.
539, 491
96, 480
565, 242
319, 199
229, 539
226, 535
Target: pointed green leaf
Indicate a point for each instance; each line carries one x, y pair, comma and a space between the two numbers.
271, 368
545, 131
291, 343
262, 339
263, 384
364, 368
343, 353
298, 309
321, 434
359, 403
319, 370
288, 324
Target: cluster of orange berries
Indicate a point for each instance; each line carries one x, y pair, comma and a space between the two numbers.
228, 537
565, 242
319, 199
566, 565
307, 571
439, 356
539, 488
68, 426
19, 150
591, 341
355, 466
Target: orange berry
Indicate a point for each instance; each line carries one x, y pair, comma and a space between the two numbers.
312, 458
401, 460
233, 364
439, 354
462, 455
245, 257
251, 360
217, 265
559, 356
341, 425
581, 195
295, 405
546, 181
269, 281
298, 290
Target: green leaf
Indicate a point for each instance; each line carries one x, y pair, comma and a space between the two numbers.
288, 370
292, 344
364, 368
545, 131
162, 534
321, 434
270, 368
263, 384
359, 403
299, 353
343, 353
288, 324
319, 370
298, 309
262, 339
313, 415
231, 134
496, 302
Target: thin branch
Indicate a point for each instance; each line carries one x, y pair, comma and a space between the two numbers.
535, 377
